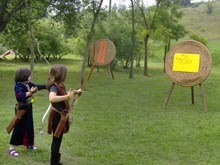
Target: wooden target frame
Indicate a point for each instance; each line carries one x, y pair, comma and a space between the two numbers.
103, 53
188, 64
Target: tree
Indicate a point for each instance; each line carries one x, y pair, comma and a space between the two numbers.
148, 23
185, 2
131, 76
110, 7
89, 39
118, 30
15, 15
167, 26
32, 44
69, 12
11, 11
8, 10
50, 37
209, 8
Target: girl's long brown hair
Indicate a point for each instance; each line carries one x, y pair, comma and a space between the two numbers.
57, 75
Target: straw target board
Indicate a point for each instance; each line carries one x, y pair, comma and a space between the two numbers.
104, 52
188, 63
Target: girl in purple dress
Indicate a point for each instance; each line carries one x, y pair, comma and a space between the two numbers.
23, 132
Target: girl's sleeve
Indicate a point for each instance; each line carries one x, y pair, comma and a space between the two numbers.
53, 88
39, 86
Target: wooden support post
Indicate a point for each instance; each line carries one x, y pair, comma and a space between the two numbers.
203, 97
110, 71
192, 94
168, 96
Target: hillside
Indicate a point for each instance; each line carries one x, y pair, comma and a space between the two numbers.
197, 21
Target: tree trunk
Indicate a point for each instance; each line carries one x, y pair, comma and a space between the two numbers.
109, 8
146, 39
88, 43
166, 50
148, 27
6, 15
131, 76
31, 38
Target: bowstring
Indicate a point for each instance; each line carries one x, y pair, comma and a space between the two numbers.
49, 107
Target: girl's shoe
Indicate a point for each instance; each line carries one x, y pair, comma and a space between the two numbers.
13, 152
32, 147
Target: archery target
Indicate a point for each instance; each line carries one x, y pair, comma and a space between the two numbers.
103, 52
188, 63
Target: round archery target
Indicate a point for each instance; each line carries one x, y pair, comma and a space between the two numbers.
188, 63
103, 52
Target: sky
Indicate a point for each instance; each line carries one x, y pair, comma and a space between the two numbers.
147, 2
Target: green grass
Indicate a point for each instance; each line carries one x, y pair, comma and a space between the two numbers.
121, 121
197, 21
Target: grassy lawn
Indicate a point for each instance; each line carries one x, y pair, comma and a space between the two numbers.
197, 21
121, 121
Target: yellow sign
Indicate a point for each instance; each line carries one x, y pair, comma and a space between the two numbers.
186, 62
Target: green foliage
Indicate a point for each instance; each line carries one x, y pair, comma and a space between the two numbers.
199, 38
69, 13
50, 36
209, 8
2, 49
49, 39
14, 13
75, 46
168, 26
118, 30
19, 41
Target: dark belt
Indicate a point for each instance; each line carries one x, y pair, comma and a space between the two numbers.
28, 101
